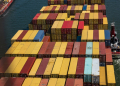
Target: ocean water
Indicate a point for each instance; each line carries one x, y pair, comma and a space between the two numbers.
21, 13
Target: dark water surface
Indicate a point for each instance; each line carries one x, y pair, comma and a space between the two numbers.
22, 11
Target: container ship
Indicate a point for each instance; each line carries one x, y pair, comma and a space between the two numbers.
4, 5
68, 44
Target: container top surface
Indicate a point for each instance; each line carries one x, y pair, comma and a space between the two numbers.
88, 66
95, 67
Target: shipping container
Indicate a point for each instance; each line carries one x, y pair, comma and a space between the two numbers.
78, 39
95, 71
63, 29
103, 9
74, 27
49, 9
85, 7
109, 60
63, 17
80, 27
12, 66
17, 70
72, 11
101, 36
32, 36
58, 28
18, 81
64, 68
82, 16
27, 35
110, 75
39, 18
35, 81
95, 19
70, 82
96, 35
72, 67
91, 17
21, 35
14, 38
100, 18
78, 82
68, 10
95, 50
84, 35
10, 81
57, 8
53, 9
77, 16
105, 23
65, 7
46, 8
56, 49
90, 36
44, 47
86, 19
42, 9
35, 67
52, 82
49, 68
57, 67
80, 68
76, 49
88, 70
88, 7
27, 67
107, 38
27, 81
96, 8
68, 28
42, 67
102, 76
34, 20
3, 81
44, 82
108, 50
46, 39
89, 49
92, 6
82, 51
60, 82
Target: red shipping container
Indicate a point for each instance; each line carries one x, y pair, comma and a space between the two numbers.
100, 8
77, 16
78, 82
64, 37
65, 9
44, 82
63, 29
49, 2
61, 9
3, 80
86, 19
100, 18
82, 50
22, 35
68, 50
39, 27
10, 81
80, 68
95, 35
69, 27
34, 20
43, 49
76, 49
27, 67
53, 18
92, 8
69, 2
102, 52
109, 60
42, 67
48, 18
46, 39
95, 26
70, 82
104, 15
108, 50
6, 64
49, 49
53, 9
104, 9
80, 27
18, 82
72, 10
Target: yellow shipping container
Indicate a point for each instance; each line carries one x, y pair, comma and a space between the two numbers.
57, 8
84, 35
105, 23
59, 16
12, 66
100, 26
13, 39
62, 49
91, 17
95, 18
68, 19
29, 50
72, 67
96, 7
68, 10
95, 53
82, 15
90, 36
54, 27
36, 49
95, 45
39, 18
24, 48
85, 11
49, 68
63, 17
19, 67
56, 49
27, 81
43, 19
57, 67
88, 7
76, 9
101, 36
102, 76
64, 68
35, 67
27, 35
58, 28
91, 27
35, 82
41, 10
32, 36
52, 82
110, 75
61, 82
86, 27
12, 48
74, 27
49, 9
18, 48
80, 8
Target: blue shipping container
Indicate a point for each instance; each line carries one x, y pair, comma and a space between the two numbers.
78, 39
88, 70
85, 7
107, 38
89, 48
39, 35
65, 1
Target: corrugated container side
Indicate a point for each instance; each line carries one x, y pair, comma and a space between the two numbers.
100, 18
46, 39
82, 51
91, 16
76, 49
105, 23
86, 19
34, 20
80, 27
74, 28
102, 76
